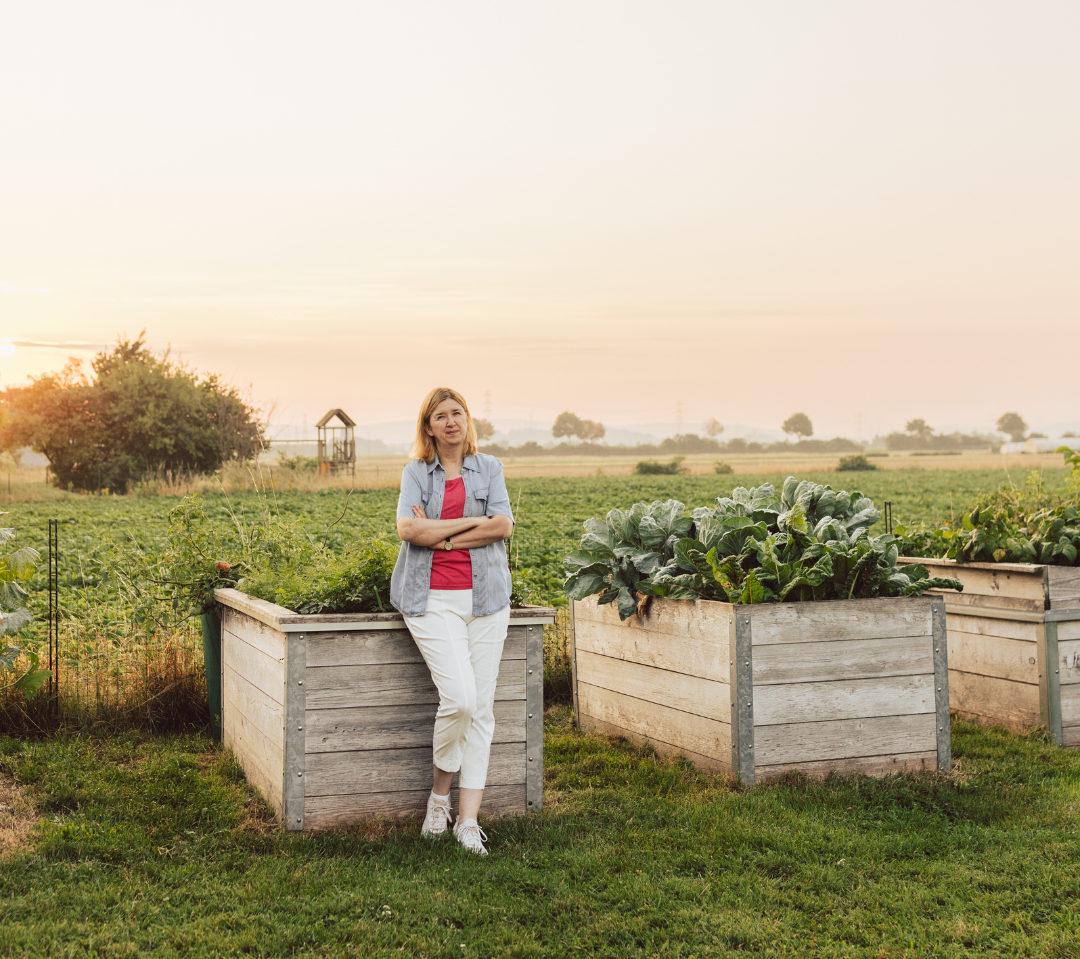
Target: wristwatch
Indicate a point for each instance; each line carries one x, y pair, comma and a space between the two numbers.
448, 544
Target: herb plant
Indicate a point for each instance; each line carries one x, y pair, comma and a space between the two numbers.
18, 565
808, 543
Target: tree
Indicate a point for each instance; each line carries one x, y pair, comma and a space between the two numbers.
713, 427
567, 424
484, 429
591, 431
798, 424
920, 429
138, 414
1014, 425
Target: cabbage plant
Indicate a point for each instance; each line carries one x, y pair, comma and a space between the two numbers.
19, 565
810, 542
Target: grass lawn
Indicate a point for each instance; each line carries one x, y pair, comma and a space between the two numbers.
155, 846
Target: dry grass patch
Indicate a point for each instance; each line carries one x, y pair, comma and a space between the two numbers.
17, 817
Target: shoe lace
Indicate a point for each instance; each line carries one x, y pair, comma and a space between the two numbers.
471, 834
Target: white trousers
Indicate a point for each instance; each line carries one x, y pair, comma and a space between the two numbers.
462, 652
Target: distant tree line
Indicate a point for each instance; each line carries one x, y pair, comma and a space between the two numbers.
136, 414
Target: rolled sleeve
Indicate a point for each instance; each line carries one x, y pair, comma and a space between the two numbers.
411, 492
498, 503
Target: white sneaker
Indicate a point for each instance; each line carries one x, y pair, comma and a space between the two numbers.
437, 818
471, 836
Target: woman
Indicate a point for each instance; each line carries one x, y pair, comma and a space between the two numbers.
452, 584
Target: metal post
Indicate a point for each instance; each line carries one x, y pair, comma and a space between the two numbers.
54, 611
888, 516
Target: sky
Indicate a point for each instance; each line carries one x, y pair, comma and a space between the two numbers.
641, 212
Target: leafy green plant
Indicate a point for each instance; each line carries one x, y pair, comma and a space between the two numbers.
19, 565
723, 469
673, 467
855, 463
808, 543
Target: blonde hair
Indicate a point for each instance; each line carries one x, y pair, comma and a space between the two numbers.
423, 447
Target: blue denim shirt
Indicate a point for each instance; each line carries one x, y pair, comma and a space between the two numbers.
424, 484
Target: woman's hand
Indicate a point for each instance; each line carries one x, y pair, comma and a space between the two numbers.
419, 513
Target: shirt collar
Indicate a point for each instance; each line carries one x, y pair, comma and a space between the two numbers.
469, 463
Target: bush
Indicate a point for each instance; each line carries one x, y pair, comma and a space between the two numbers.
655, 468
722, 468
299, 462
852, 464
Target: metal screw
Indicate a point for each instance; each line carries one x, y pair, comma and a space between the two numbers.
939, 689
299, 774
299, 682
748, 662
530, 759
298, 819
746, 619
530, 715
530, 672
936, 650
941, 729
299, 727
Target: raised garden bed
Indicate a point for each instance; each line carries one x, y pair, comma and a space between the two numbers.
1014, 645
848, 686
331, 715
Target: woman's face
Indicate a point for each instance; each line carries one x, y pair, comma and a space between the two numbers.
448, 425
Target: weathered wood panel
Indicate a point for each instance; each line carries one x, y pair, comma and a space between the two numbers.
844, 659
1013, 580
682, 619
1020, 630
256, 667
256, 756
705, 658
265, 639
1068, 630
1068, 659
975, 601
987, 655
848, 699
658, 724
855, 766
691, 694
1070, 705
372, 647
394, 684
259, 708
595, 725
389, 727
993, 701
395, 770
339, 812
844, 739
1063, 583
839, 620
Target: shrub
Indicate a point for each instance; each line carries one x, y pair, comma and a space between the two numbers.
299, 462
808, 543
723, 469
655, 468
851, 464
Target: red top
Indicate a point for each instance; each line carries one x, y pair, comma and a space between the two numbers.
452, 569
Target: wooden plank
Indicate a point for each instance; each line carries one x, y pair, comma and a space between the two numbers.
702, 697
1070, 736
340, 812
1068, 660
658, 724
856, 766
267, 640
1063, 583
388, 727
994, 702
843, 739
374, 647
848, 699
1012, 580
1068, 631
843, 659
592, 724
394, 684
988, 655
1023, 631
705, 657
257, 668
681, 619
1070, 705
841, 619
975, 601
258, 757
393, 770
260, 710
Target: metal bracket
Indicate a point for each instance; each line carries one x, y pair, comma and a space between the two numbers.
741, 685
1049, 679
941, 688
294, 734
534, 717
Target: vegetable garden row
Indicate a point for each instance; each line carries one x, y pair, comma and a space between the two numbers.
768, 632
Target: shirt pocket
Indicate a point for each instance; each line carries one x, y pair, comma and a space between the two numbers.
481, 496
